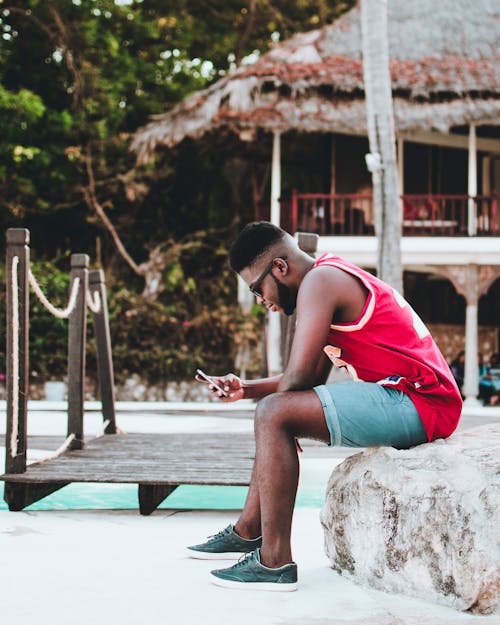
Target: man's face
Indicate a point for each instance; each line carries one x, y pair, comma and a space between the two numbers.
287, 298
265, 281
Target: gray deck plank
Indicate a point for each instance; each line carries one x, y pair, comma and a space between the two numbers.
222, 458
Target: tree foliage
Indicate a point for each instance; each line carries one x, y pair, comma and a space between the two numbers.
78, 77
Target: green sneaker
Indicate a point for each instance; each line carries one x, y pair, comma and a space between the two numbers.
226, 545
250, 574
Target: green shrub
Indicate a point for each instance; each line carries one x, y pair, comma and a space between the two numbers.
195, 322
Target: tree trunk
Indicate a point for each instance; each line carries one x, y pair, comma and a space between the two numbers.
382, 158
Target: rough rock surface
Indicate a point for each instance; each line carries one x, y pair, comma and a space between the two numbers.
423, 522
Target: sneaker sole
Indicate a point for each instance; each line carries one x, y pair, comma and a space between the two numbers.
207, 555
269, 586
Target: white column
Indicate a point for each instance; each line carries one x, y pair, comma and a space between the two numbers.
276, 179
274, 363
471, 375
471, 281
472, 181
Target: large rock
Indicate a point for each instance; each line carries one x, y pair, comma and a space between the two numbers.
424, 522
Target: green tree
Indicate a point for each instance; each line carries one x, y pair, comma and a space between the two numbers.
77, 78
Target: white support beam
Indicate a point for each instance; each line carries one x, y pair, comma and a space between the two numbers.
274, 362
452, 141
472, 181
276, 179
471, 377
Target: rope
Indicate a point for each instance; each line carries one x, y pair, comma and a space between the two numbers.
57, 312
15, 358
94, 302
102, 432
59, 451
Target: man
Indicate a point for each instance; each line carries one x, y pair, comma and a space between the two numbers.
345, 316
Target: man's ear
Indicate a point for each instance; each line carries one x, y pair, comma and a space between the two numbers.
281, 265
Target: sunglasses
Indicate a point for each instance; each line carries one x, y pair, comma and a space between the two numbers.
255, 286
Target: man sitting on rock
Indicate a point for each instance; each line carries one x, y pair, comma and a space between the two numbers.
402, 392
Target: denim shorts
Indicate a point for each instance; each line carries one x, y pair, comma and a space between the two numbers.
365, 414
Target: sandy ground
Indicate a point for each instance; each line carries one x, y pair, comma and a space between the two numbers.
115, 567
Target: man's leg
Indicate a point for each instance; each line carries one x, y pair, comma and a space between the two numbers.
279, 419
248, 524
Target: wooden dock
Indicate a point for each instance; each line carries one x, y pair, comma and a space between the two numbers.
158, 463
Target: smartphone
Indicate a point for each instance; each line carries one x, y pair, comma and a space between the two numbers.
206, 377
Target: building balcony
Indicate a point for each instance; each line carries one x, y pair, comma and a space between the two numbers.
422, 215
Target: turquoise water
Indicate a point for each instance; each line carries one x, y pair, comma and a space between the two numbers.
84, 496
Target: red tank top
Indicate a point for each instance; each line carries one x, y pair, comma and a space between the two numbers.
390, 344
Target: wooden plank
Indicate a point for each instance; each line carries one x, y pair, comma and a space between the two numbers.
168, 459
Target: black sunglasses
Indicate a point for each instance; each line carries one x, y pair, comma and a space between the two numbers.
256, 284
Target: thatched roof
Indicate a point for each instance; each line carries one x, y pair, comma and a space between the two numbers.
445, 69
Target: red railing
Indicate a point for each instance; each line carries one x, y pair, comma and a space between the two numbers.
423, 215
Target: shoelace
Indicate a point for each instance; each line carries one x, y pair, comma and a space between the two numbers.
243, 560
220, 534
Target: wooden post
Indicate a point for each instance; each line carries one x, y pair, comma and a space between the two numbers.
76, 351
104, 355
151, 496
19, 495
308, 242
17, 319
295, 211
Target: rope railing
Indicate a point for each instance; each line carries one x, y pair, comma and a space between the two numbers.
59, 451
87, 292
94, 302
56, 312
60, 313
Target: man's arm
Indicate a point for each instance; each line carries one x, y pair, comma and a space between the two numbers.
322, 295
257, 389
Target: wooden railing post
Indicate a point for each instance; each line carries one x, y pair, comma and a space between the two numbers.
104, 355
17, 319
295, 212
76, 351
308, 242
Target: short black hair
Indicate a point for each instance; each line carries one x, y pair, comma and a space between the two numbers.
252, 241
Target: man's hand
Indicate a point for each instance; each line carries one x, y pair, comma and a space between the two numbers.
230, 383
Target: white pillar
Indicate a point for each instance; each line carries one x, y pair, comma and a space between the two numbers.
471, 375
471, 281
276, 179
472, 181
245, 297
274, 363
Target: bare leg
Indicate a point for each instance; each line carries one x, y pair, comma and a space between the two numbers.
279, 419
249, 525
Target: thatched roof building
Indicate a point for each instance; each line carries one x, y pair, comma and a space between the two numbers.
445, 68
